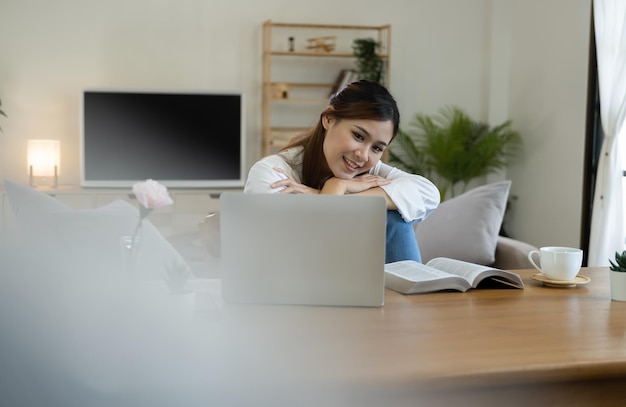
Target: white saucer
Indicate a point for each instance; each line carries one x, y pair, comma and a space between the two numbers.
578, 280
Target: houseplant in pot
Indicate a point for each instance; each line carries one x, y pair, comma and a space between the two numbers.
368, 61
618, 277
451, 148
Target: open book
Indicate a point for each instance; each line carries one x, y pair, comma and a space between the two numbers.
411, 277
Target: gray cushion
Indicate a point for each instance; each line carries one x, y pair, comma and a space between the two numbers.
465, 227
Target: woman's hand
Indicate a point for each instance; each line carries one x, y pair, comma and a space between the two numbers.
355, 185
335, 186
291, 186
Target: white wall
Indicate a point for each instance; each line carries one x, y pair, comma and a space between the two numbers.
523, 59
548, 104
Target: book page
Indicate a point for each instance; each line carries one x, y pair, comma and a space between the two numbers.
468, 271
414, 271
410, 277
474, 273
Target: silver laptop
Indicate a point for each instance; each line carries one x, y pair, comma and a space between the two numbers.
302, 249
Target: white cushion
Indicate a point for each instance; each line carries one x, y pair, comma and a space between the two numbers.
465, 227
87, 241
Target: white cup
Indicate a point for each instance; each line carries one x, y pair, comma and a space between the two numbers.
558, 263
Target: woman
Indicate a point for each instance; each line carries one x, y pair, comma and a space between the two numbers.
342, 155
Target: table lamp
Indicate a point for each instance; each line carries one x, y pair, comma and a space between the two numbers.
43, 159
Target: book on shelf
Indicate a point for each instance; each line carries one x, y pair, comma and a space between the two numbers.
439, 274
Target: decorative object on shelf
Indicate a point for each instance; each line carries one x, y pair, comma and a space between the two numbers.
322, 44
151, 195
281, 91
291, 44
618, 277
368, 61
44, 161
450, 148
1, 113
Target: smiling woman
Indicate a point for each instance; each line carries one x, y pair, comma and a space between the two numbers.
342, 155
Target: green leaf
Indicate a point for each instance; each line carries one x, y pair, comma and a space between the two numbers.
408, 156
621, 260
453, 148
368, 61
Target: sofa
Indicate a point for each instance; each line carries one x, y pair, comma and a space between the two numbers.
512, 254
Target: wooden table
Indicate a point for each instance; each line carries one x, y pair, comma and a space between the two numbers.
537, 346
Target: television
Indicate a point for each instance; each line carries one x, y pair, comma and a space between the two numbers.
180, 139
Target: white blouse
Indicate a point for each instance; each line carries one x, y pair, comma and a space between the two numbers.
414, 196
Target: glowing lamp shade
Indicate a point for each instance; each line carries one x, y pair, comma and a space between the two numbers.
44, 160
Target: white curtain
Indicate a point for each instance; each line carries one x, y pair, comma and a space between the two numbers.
607, 230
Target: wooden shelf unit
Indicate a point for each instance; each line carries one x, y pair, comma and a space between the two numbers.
292, 69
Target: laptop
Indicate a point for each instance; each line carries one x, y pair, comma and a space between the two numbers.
302, 249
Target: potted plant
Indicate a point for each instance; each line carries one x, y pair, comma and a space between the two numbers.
451, 148
368, 61
618, 277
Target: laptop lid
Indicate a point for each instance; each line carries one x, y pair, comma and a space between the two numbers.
302, 249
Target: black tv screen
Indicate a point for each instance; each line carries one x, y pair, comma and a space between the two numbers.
179, 139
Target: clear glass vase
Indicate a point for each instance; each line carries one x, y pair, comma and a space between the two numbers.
130, 245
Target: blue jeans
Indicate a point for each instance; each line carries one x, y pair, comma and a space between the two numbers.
400, 241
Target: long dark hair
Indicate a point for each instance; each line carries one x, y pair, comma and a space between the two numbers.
361, 100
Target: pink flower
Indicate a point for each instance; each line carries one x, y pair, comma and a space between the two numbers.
152, 195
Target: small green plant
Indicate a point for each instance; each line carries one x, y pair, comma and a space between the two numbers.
451, 148
368, 61
176, 277
620, 262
